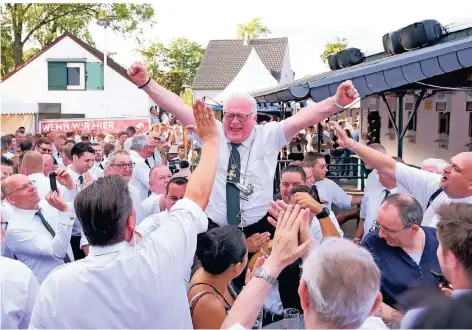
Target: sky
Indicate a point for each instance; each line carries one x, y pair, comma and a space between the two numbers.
308, 25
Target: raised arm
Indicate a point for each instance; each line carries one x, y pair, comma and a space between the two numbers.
164, 98
375, 158
315, 113
201, 181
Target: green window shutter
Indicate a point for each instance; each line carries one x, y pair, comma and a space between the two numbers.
57, 76
94, 76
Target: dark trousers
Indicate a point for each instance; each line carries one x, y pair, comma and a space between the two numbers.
289, 278
75, 244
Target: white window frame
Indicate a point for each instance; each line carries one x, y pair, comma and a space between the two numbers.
81, 66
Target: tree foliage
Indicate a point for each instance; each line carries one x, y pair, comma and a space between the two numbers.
174, 66
254, 28
39, 24
333, 47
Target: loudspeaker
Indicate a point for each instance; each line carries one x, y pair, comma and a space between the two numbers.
373, 129
349, 57
392, 43
420, 34
333, 62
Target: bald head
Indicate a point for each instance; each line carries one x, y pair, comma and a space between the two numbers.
48, 164
12, 183
159, 177
32, 163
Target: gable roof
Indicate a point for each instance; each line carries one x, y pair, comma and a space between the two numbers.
98, 54
381, 72
223, 60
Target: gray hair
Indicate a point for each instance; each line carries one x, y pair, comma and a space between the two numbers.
438, 163
343, 281
410, 210
244, 97
111, 158
139, 142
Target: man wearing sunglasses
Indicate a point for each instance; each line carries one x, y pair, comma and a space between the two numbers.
38, 232
43, 146
248, 152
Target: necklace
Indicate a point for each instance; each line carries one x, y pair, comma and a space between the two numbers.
245, 189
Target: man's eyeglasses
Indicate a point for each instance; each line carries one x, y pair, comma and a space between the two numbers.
4, 225
386, 231
123, 166
46, 150
240, 116
30, 183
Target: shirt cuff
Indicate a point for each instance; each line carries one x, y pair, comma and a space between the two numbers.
188, 205
66, 218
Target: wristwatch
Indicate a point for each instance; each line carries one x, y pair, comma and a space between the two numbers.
324, 213
261, 273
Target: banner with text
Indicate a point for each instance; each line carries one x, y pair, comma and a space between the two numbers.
106, 125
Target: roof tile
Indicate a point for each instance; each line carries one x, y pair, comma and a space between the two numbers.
223, 60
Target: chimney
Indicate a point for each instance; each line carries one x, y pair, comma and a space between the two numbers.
246, 37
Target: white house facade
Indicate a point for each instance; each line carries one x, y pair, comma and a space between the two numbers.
67, 80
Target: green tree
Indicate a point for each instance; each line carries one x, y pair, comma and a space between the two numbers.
39, 24
175, 66
254, 29
333, 47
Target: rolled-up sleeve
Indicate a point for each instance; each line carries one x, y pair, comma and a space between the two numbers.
421, 184
340, 198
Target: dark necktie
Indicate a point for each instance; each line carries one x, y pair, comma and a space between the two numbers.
81, 179
232, 192
147, 163
387, 192
50, 230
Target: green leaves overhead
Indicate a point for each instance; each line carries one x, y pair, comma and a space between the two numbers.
39, 24
333, 47
174, 66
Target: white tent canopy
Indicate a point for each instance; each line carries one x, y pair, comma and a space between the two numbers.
13, 106
253, 76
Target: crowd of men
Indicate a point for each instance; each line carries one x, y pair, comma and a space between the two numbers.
125, 234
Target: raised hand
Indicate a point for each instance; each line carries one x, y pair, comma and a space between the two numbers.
344, 141
286, 247
307, 202
64, 178
55, 200
138, 73
346, 93
206, 127
257, 241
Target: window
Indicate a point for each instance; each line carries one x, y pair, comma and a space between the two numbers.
443, 125
412, 125
468, 106
75, 76
470, 125
390, 123
440, 106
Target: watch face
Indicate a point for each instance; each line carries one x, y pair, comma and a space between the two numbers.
258, 272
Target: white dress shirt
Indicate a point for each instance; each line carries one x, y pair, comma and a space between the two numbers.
316, 231
150, 205
332, 193
140, 177
127, 144
422, 185
30, 241
96, 171
152, 223
8, 155
124, 286
76, 231
258, 164
19, 288
43, 185
136, 199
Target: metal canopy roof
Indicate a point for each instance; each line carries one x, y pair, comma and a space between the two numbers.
380, 74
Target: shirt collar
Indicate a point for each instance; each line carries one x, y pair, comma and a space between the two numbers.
74, 174
467, 200
34, 176
107, 249
24, 213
